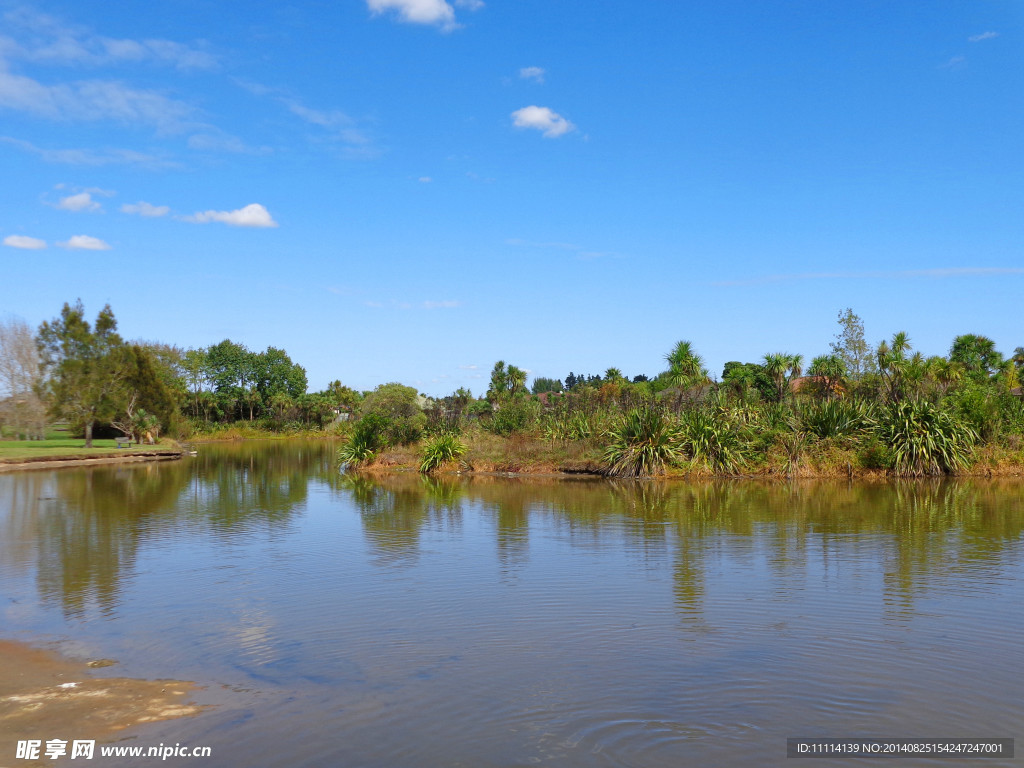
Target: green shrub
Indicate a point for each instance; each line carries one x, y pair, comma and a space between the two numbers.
399, 406
712, 438
641, 444
367, 439
440, 449
835, 418
924, 440
1011, 414
516, 415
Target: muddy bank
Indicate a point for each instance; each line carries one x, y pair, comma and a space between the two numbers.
45, 696
59, 462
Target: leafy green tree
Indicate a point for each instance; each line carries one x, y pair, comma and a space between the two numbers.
153, 384
232, 371
86, 366
542, 384
506, 382
275, 373
342, 396
851, 347
315, 408
195, 369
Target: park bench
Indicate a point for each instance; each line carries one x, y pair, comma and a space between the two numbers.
123, 442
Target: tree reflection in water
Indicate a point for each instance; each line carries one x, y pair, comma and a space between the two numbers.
82, 529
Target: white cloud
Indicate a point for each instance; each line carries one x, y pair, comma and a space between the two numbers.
532, 73
47, 40
425, 179
542, 119
252, 215
469, 367
80, 202
983, 36
27, 243
146, 209
956, 62
437, 12
85, 243
92, 157
441, 304
93, 100
470, 5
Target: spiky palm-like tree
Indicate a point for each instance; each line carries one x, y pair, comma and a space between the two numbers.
782, 367
893, 364
946, 373
685, 367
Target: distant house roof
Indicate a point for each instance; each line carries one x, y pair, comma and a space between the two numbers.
798, 383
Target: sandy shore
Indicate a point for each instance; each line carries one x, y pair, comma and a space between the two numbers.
45, 696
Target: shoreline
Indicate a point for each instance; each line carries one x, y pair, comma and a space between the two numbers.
46, 695
61, 461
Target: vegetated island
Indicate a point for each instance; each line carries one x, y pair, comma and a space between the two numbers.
858, 410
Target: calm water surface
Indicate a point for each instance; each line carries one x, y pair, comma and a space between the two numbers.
407, 621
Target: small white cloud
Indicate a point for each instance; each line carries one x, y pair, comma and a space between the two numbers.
252, 215
85, 243
81, 202
146, 209
436, 12
26, 243
425, 179
542, 119
469, 367
956, 62
983, 36
470, 5
441, 304
532, 73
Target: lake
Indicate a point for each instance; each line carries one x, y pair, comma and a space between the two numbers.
487, 621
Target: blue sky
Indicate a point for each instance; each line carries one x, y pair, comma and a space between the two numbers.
412, 189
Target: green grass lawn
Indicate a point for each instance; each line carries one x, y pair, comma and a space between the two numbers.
19, 450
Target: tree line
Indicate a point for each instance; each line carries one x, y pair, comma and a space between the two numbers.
85, 374
852, 401
869, 407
